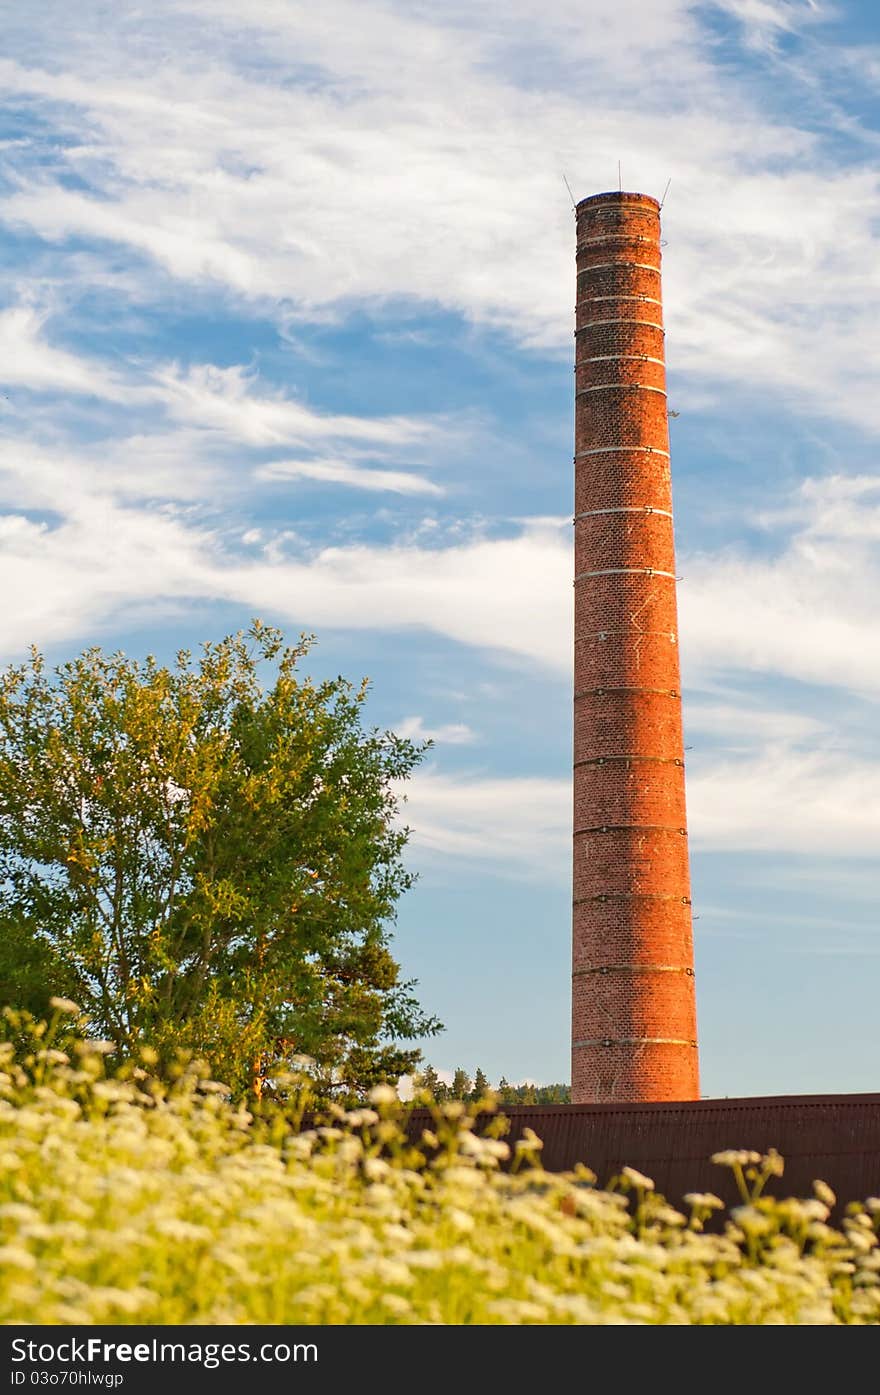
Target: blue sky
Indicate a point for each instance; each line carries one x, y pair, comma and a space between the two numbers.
286, 311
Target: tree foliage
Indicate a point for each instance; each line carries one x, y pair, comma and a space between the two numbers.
206, 860
428, 1082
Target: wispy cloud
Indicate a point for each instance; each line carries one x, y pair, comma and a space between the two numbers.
31, 361
505, 596
365, 184
764, 19
824, 803
450, 734
347, 472
225, 400
522, 825
741, 724
805, 610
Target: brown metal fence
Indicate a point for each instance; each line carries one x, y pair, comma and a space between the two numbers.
832, 1137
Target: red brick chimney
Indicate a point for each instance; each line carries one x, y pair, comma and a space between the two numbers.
633, 1003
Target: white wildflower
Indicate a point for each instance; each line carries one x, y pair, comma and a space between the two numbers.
496, 1148
469, 1144
860, 1241
16, 1257
64, 1005
529, 1143
396, 1305
704, 1200
175, 1228
376, 1169
452, 1109
751, 1220
361, 1118
736, 1157
383, 1094
459, 1219
638, 1179
467, 1177
392, 1271
824, 1192
18, 1212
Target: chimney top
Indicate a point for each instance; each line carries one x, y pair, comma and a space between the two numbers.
618, 196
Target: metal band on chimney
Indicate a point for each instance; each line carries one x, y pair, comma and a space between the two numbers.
615, 237
634, 969
637, 1041
601, 692
617, 358
597, 299
632, 896
604, 760
628, 508
624, 571
620, 827
605, 387
603, 266
605, 634
614, 450
591, 324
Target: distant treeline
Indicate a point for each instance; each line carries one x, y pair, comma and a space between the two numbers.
464, 1087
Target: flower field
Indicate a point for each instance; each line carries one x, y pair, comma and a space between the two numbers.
123, 1200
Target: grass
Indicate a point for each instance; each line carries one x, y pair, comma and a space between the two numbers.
127, 1200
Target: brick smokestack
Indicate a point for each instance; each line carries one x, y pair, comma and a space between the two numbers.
633, 1002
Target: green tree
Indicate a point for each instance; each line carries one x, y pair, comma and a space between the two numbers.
533, 1094
30, 970
428, 1082
461, 1085
481, 1085
207, 860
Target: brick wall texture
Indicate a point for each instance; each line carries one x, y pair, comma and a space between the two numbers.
633, 1002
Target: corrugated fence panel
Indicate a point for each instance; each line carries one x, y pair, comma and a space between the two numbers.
832, 1137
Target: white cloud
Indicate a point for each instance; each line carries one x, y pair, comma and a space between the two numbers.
217, 410
823, 803
807, 613
452, 734
522, 824
763, 19
101, 562
163, 466
511, 595
772, 799
335, 471
29, 361
223, 400
833, 506
422, 159
741, 724
106, 560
